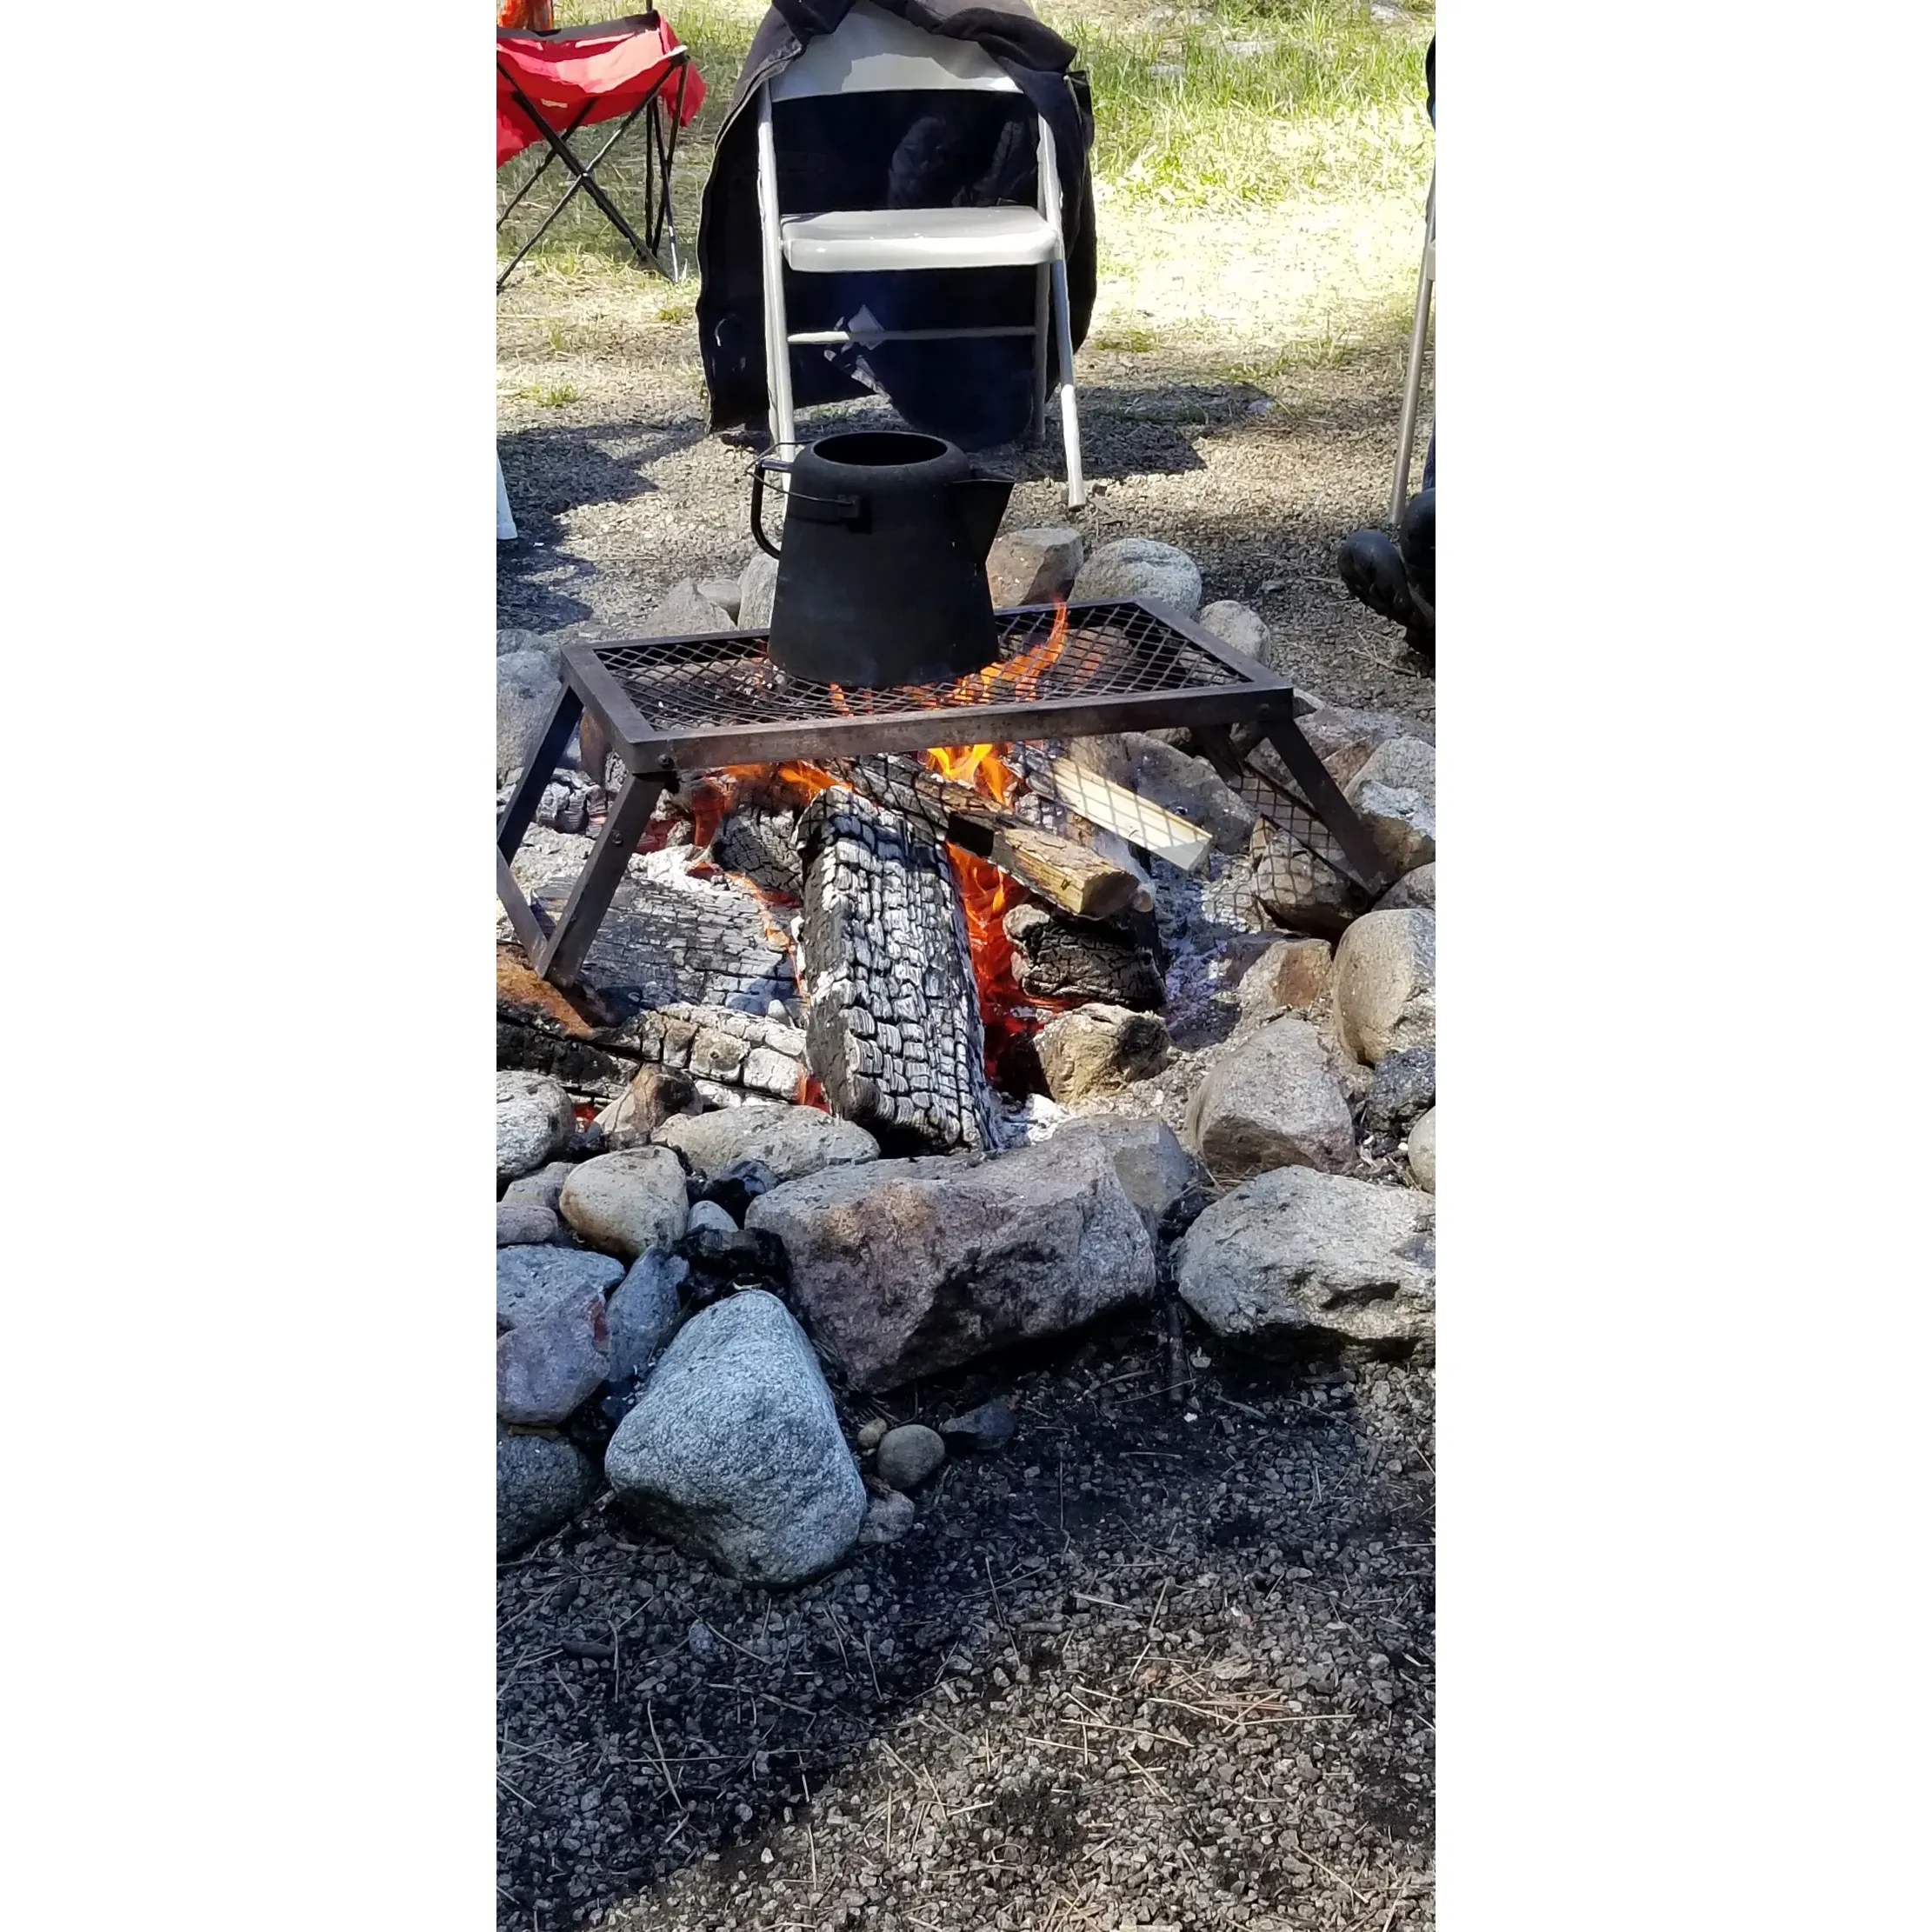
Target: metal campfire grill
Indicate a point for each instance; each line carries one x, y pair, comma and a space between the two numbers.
669, 707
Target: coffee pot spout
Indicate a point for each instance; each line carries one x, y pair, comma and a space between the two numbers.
981, 502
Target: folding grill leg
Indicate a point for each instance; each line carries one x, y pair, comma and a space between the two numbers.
590, 896
1324, 796
545, 756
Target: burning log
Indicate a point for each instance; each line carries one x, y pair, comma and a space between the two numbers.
1062, 959
761, 848
1074, 877
596, 1052
893, 1032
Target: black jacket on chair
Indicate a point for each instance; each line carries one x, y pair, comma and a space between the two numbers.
890, 151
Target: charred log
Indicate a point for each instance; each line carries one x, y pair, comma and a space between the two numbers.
893, 1031
1057, 958
761, 849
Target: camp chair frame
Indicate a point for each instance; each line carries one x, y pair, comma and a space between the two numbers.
660, 224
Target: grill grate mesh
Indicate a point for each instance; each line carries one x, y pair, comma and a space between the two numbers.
1109, 651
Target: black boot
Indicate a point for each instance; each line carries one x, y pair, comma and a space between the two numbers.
1372, 568
1418, 547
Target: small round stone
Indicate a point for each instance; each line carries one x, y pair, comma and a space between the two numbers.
908, 1455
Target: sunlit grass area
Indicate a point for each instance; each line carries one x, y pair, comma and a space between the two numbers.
1239, 104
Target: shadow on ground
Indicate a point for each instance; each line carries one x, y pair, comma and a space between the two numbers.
652, 1714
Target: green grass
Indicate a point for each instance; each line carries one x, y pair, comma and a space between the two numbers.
1257, 105
1248, 103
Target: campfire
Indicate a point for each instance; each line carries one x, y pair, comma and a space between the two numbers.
934, 871
915, 862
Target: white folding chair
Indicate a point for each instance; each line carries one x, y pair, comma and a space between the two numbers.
876, 52
1412, 383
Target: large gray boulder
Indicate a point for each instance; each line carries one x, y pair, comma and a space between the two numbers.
1413, 888
1394, 794
790, 1141
534, 1123
1100, 1048
1342, 736
653, 1094
1385, 983
541, 1481
623, 1204
1271, 1102
531, 1282
1137, 567
541, 1189
1235, 624
1034, 566
757, 589
548, 1366
1422, 1151
901, 1269
527, 685
1153, 1166
1295, 1261
1288, 976
644, 1310
685, 611
733, 1452
520, 1224
1297, 890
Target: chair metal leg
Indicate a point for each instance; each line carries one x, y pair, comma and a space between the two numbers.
1069, 412
1412, 382
582, 177
1042, 346
778, 341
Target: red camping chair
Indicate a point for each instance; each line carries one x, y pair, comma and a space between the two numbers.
550, 84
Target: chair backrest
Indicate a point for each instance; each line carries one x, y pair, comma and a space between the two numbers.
876, 52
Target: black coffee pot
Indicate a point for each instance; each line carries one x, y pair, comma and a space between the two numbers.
882, 578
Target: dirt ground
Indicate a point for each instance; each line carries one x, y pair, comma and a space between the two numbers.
1155, 1664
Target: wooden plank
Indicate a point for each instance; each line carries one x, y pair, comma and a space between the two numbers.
1075, 878
1137, 820
1070, 876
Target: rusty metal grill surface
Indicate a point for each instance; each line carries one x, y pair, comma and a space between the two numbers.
1110, 651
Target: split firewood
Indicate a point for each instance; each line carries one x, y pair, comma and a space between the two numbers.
1073, 876
1162, 834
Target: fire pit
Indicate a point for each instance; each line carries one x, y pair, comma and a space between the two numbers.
670, 707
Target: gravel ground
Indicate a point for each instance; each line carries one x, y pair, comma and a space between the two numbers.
1252, 421
1152, 1664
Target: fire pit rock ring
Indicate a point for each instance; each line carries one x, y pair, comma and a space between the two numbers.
882, 574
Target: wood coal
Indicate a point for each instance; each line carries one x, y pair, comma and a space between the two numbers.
893, 1032
1058, 958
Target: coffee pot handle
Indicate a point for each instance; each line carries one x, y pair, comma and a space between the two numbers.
759, 465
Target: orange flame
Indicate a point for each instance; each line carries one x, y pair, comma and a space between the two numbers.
986, 894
